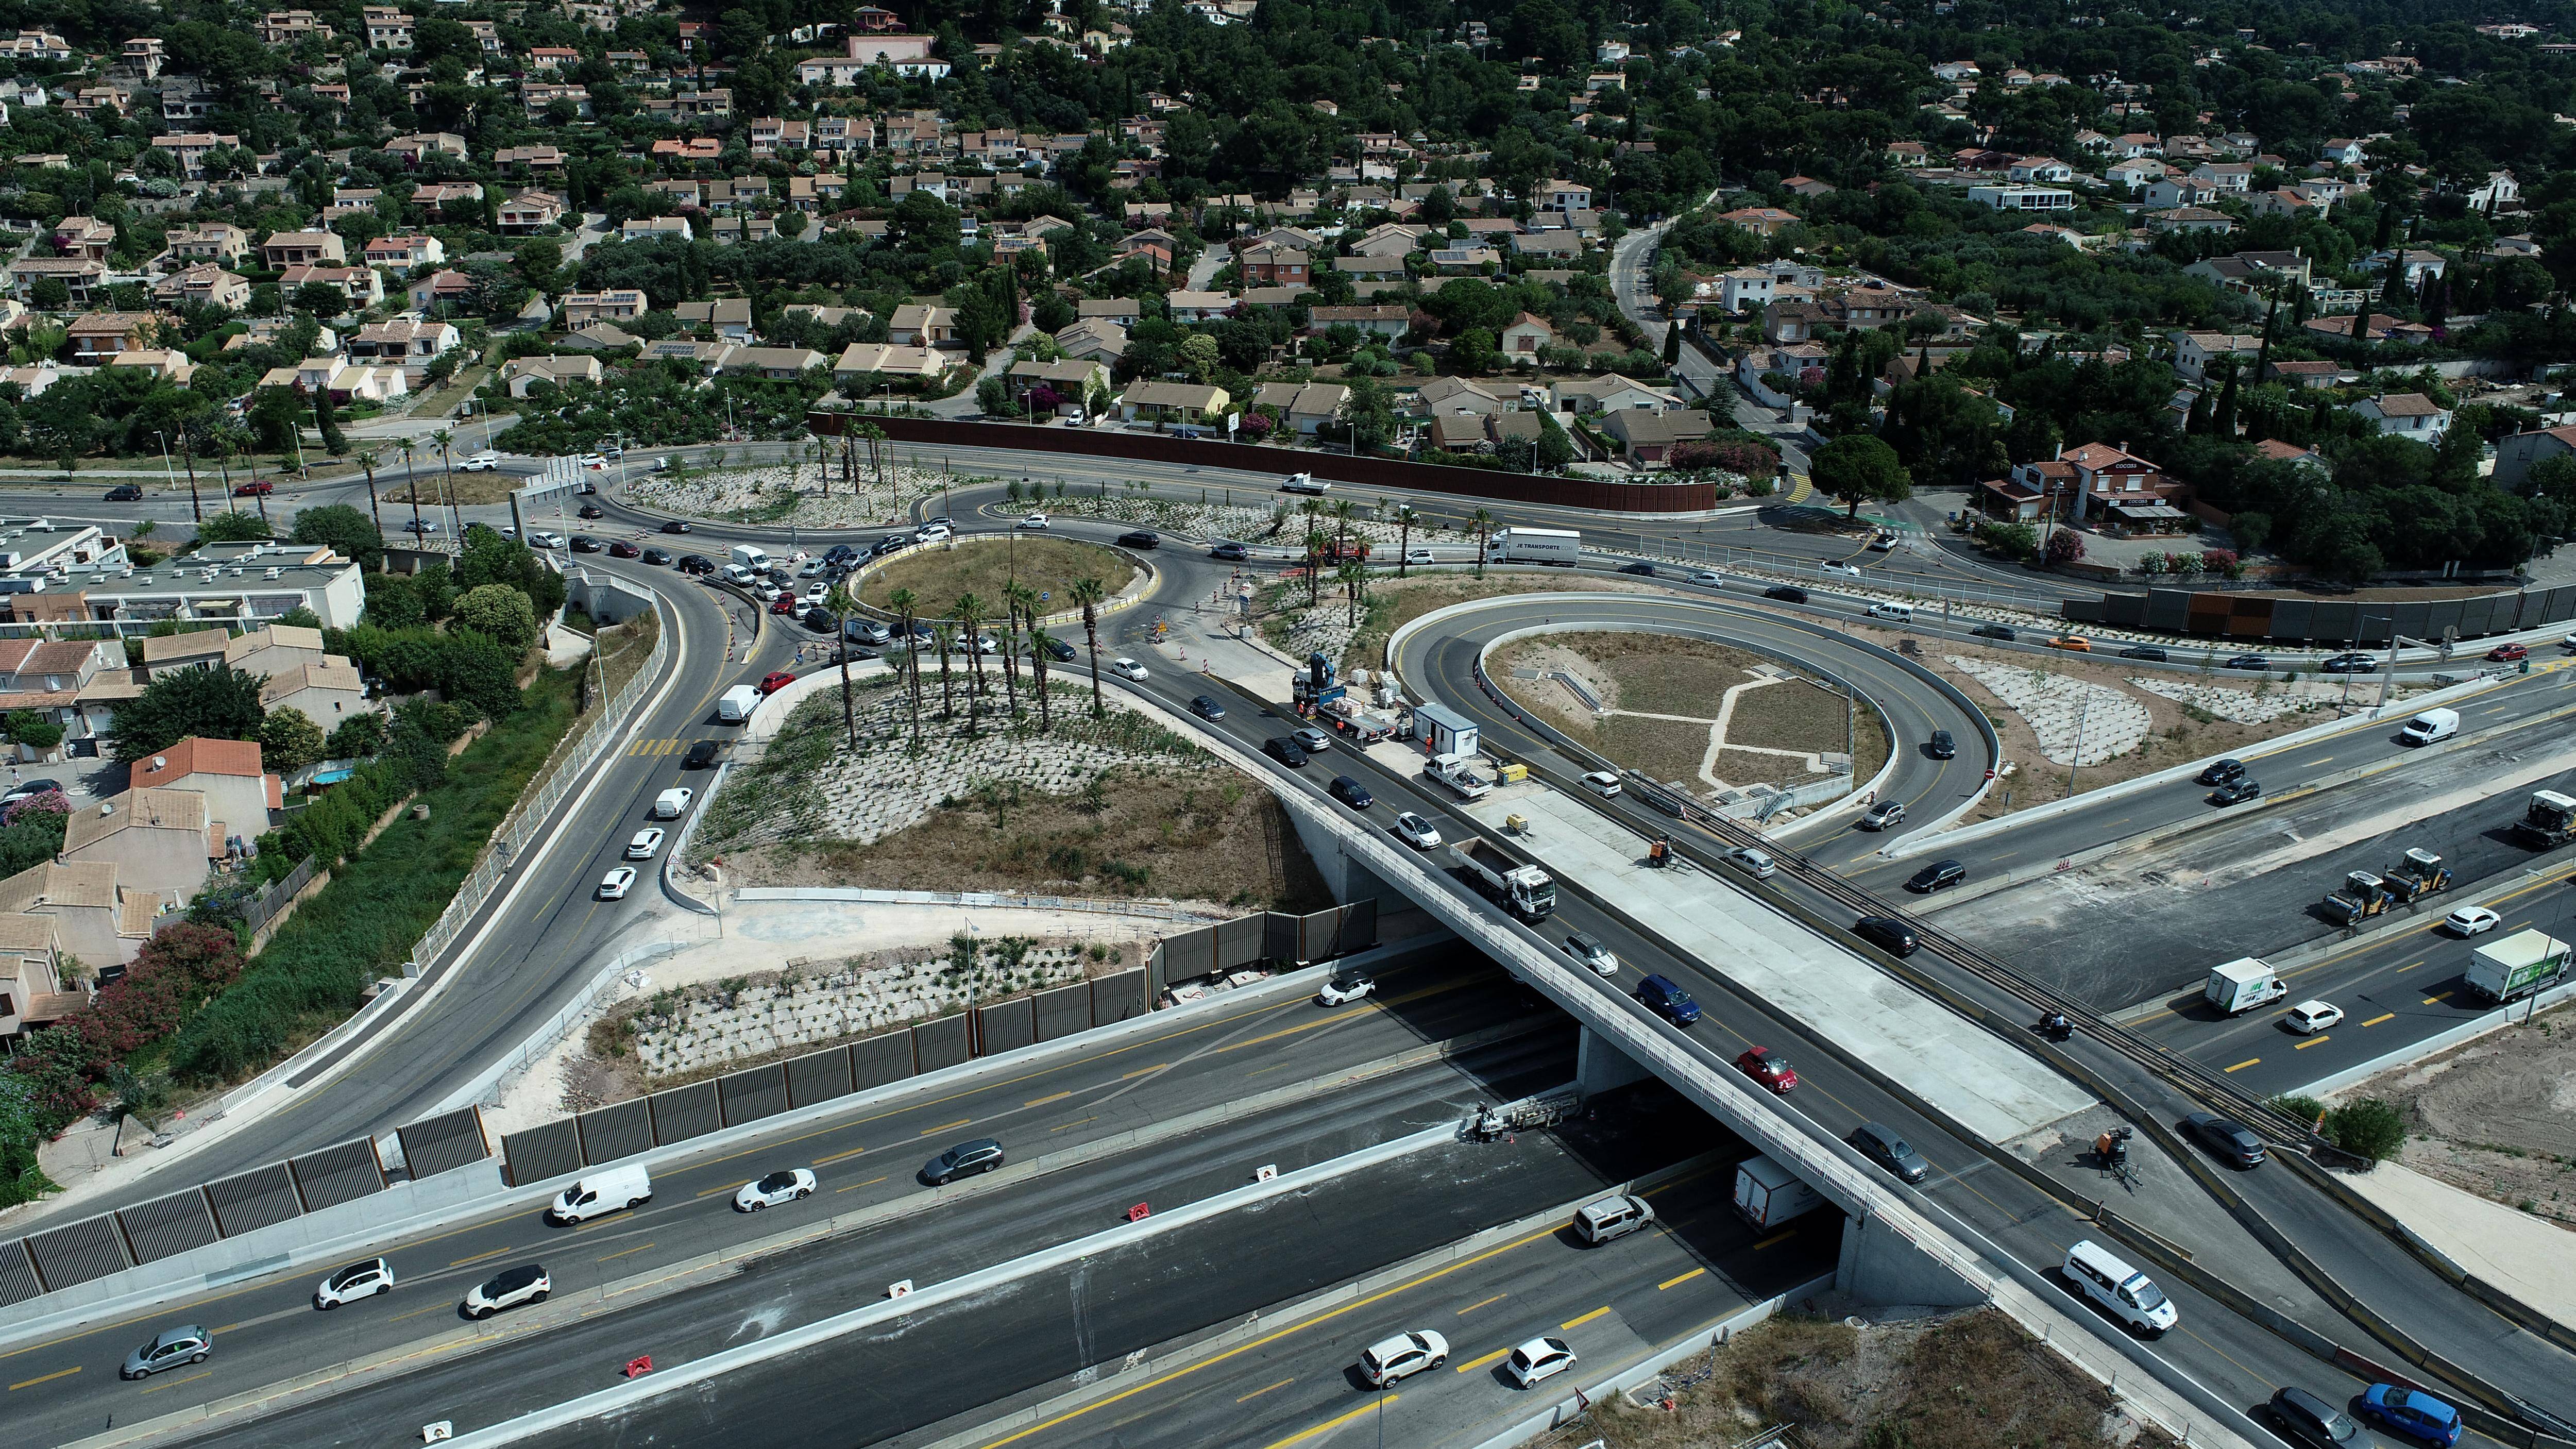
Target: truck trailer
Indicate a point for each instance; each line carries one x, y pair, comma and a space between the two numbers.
1767, 1194
2515, 967
1563, 546
1525, 890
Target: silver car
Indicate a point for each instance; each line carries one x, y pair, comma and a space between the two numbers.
168, 1349
1756, 863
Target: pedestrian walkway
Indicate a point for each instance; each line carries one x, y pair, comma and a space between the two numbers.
1982, 1083
2528, 1257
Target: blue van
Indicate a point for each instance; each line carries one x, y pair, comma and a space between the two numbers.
1668, 1000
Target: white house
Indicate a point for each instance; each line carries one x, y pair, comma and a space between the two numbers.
2406, 415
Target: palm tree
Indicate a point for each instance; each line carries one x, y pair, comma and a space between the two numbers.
1019, 602
1088, 593
1039, 639
1484, 521
947, 704
446, 442
1349, 576
1405, 518
411, 483
1343, 511
842, 607
1315, 542
971, 612
902, 602
367, 459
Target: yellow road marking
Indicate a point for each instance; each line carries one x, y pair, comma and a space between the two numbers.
1473, 1364
838, 1156
640, 1247
1140, 1071
1775, 1239
417, 1312
2240, 1066
1075, 1123
1684, 1278
44, 1378
174, 1383
949, 1126
1335, 1422
1586, 1318
479, 1257
871, 1182
1042, 1101
2383, 1016
711, 1192
1257, 1393
2312, 1041
2437, 998
1479, 1303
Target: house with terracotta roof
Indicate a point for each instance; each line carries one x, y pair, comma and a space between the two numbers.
238, 791
92, 917
2112, 482
158, 840
327, 692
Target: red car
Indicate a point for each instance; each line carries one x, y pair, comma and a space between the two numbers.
253, 490
774, 682
622, 549
2508, 653
1767, 1069
783, 604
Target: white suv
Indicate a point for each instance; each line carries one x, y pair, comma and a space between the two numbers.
526, 1283
1402, 1356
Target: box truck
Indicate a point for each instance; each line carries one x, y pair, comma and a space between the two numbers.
2515, 967
736, 704
2243, 984
1535, 546
1768, 1194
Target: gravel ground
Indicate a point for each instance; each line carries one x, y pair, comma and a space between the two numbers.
2496, 1116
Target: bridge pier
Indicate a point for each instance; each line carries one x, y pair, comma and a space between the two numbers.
1882, 1266
1344, 875
1600, 1067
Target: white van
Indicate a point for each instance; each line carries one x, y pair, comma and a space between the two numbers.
1901, 613
671, 804
751, 556
1305, 483
2132, 1296
736, 704
605, 1191
1612, 1217
2431, 725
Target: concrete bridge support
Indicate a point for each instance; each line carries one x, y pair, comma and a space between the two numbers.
1600, 1066
1881, 1265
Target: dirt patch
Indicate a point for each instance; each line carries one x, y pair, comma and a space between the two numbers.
1048, 565
1641, 675
1184, 834
2176, 732
623, 648
491, 487
2496, 1116
1968, 1378
1394, 603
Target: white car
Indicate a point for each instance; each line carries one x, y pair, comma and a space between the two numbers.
2472, 921
2310, 1017
776, 1188
1418, 556
1602, 783
1034, 520
593, 461
1344, 987
483, 462
817, 592
358, 1280
1755, 863
526, 1283
1402, 1356
614, 885
1705, 576
1415, 831
647, 841
984, 644
1843, 568
1126, 668
1540, 1358
1585, 947
543, 539
660, 465
932, 533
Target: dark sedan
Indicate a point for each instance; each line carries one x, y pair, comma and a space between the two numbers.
1882, 1146
675, 525
1994, 631
1941, 746
696, 563
1206, 707
593, 510
2149, 652
1140, 538
2221, 771
1786, 593
584, 543
125, 493
2233, 1141
1352, 793
2350, 664
2249, 661
2235, 792
657, 555
1285, 752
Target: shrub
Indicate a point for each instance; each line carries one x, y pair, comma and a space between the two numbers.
2065, 546
2369, 1128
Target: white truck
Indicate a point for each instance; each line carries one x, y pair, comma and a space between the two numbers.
1767, 1194
1458, 772
1525, 890
2515, 967
751, 556
1562, 546
736, 704
2243, 984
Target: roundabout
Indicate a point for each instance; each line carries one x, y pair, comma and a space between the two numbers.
987, 566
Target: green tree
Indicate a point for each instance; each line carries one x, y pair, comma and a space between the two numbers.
288, 741
1088, 592
233, 528
221, 703
2370, 1127
29, 728
1857, 469
326, 419
345, 530
500, 613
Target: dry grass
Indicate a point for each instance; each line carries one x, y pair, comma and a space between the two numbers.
1049, 565
1183, 834
1394, 603
1970, 1379
623, 648
434, 489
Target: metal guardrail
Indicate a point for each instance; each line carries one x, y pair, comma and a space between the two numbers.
526, 818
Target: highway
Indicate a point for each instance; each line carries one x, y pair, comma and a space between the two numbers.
866, 1158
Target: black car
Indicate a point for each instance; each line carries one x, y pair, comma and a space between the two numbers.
1286, 752
2350, 664
1352, 793
891, 543
1882, 1146
1786, 593
593, 510
657, 555
819, 619
1941, 746
2248, 661
1993, 631
1939, 875
1140, 538
2221, 771
1646, 569
1886, 933
675, 525
696, 563
700, 755
840, 553
1206, 707
1060, 650
584, 543
2303, 1418
125, 493
2235, 792
981, 1155
30, 789
2233, 1141
2144, 651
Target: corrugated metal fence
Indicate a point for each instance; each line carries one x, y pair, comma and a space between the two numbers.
2327, 621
